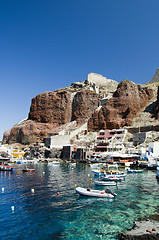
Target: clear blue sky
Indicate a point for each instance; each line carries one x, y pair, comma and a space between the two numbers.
48, 44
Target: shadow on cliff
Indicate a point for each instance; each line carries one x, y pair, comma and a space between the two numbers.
151, 108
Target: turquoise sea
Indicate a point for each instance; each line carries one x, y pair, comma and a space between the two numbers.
44, 215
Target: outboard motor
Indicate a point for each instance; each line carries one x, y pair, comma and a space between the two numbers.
109, 191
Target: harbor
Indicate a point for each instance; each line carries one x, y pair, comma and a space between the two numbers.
79, 126
55, 211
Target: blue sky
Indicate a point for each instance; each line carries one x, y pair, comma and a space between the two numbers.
48, 44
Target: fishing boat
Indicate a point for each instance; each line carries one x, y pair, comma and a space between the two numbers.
111, 169
112, 178
6, 167
105, 183
95, 193
28, 170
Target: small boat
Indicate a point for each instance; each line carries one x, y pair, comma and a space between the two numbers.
105, 183
95, 193
112, 178
28, 170
134, 171
110, 169
6, 167
97, 173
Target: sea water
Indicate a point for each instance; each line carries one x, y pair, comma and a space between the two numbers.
42, 214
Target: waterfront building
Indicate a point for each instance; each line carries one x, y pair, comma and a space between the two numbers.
110, 141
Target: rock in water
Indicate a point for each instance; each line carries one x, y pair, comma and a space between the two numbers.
144, 230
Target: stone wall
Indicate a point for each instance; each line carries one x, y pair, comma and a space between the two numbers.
99, 80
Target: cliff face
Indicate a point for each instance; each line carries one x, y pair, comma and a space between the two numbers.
83, 105
127, 101
156, 113
28, 132
49, 111
51, 107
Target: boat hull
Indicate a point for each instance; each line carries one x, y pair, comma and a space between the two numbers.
6, 168
93, 193
112, 178
28, 170
134, 171
105, 183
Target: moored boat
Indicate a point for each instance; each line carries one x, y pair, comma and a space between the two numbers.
95, 193
113, 178
105, 183
28, 170
6, 168
109, 169
134, 171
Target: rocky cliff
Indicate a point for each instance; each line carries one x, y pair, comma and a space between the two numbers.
156, 112
83, 105
127, 101
51, 107
51, 110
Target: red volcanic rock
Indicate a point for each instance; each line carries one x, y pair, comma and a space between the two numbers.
127, 101
84, 104
156, 112
51, 107
28, 132
48, 112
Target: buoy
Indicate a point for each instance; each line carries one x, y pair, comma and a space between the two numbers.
153, 229
139, 180
75, 185
41, 176
32, 190
2, 189
91, 179
57, 193
12, 208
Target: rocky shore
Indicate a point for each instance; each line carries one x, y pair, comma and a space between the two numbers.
145, 229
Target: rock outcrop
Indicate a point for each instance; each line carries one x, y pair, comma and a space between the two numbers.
83, 105
155, 77
144, 230
156, 112
51, 107
28, 132
127, 101
49, 111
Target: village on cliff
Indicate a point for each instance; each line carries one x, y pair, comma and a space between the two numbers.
97, 120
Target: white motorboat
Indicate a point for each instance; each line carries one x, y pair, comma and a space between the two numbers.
105, 183
95, 193
113, 178
134, 171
